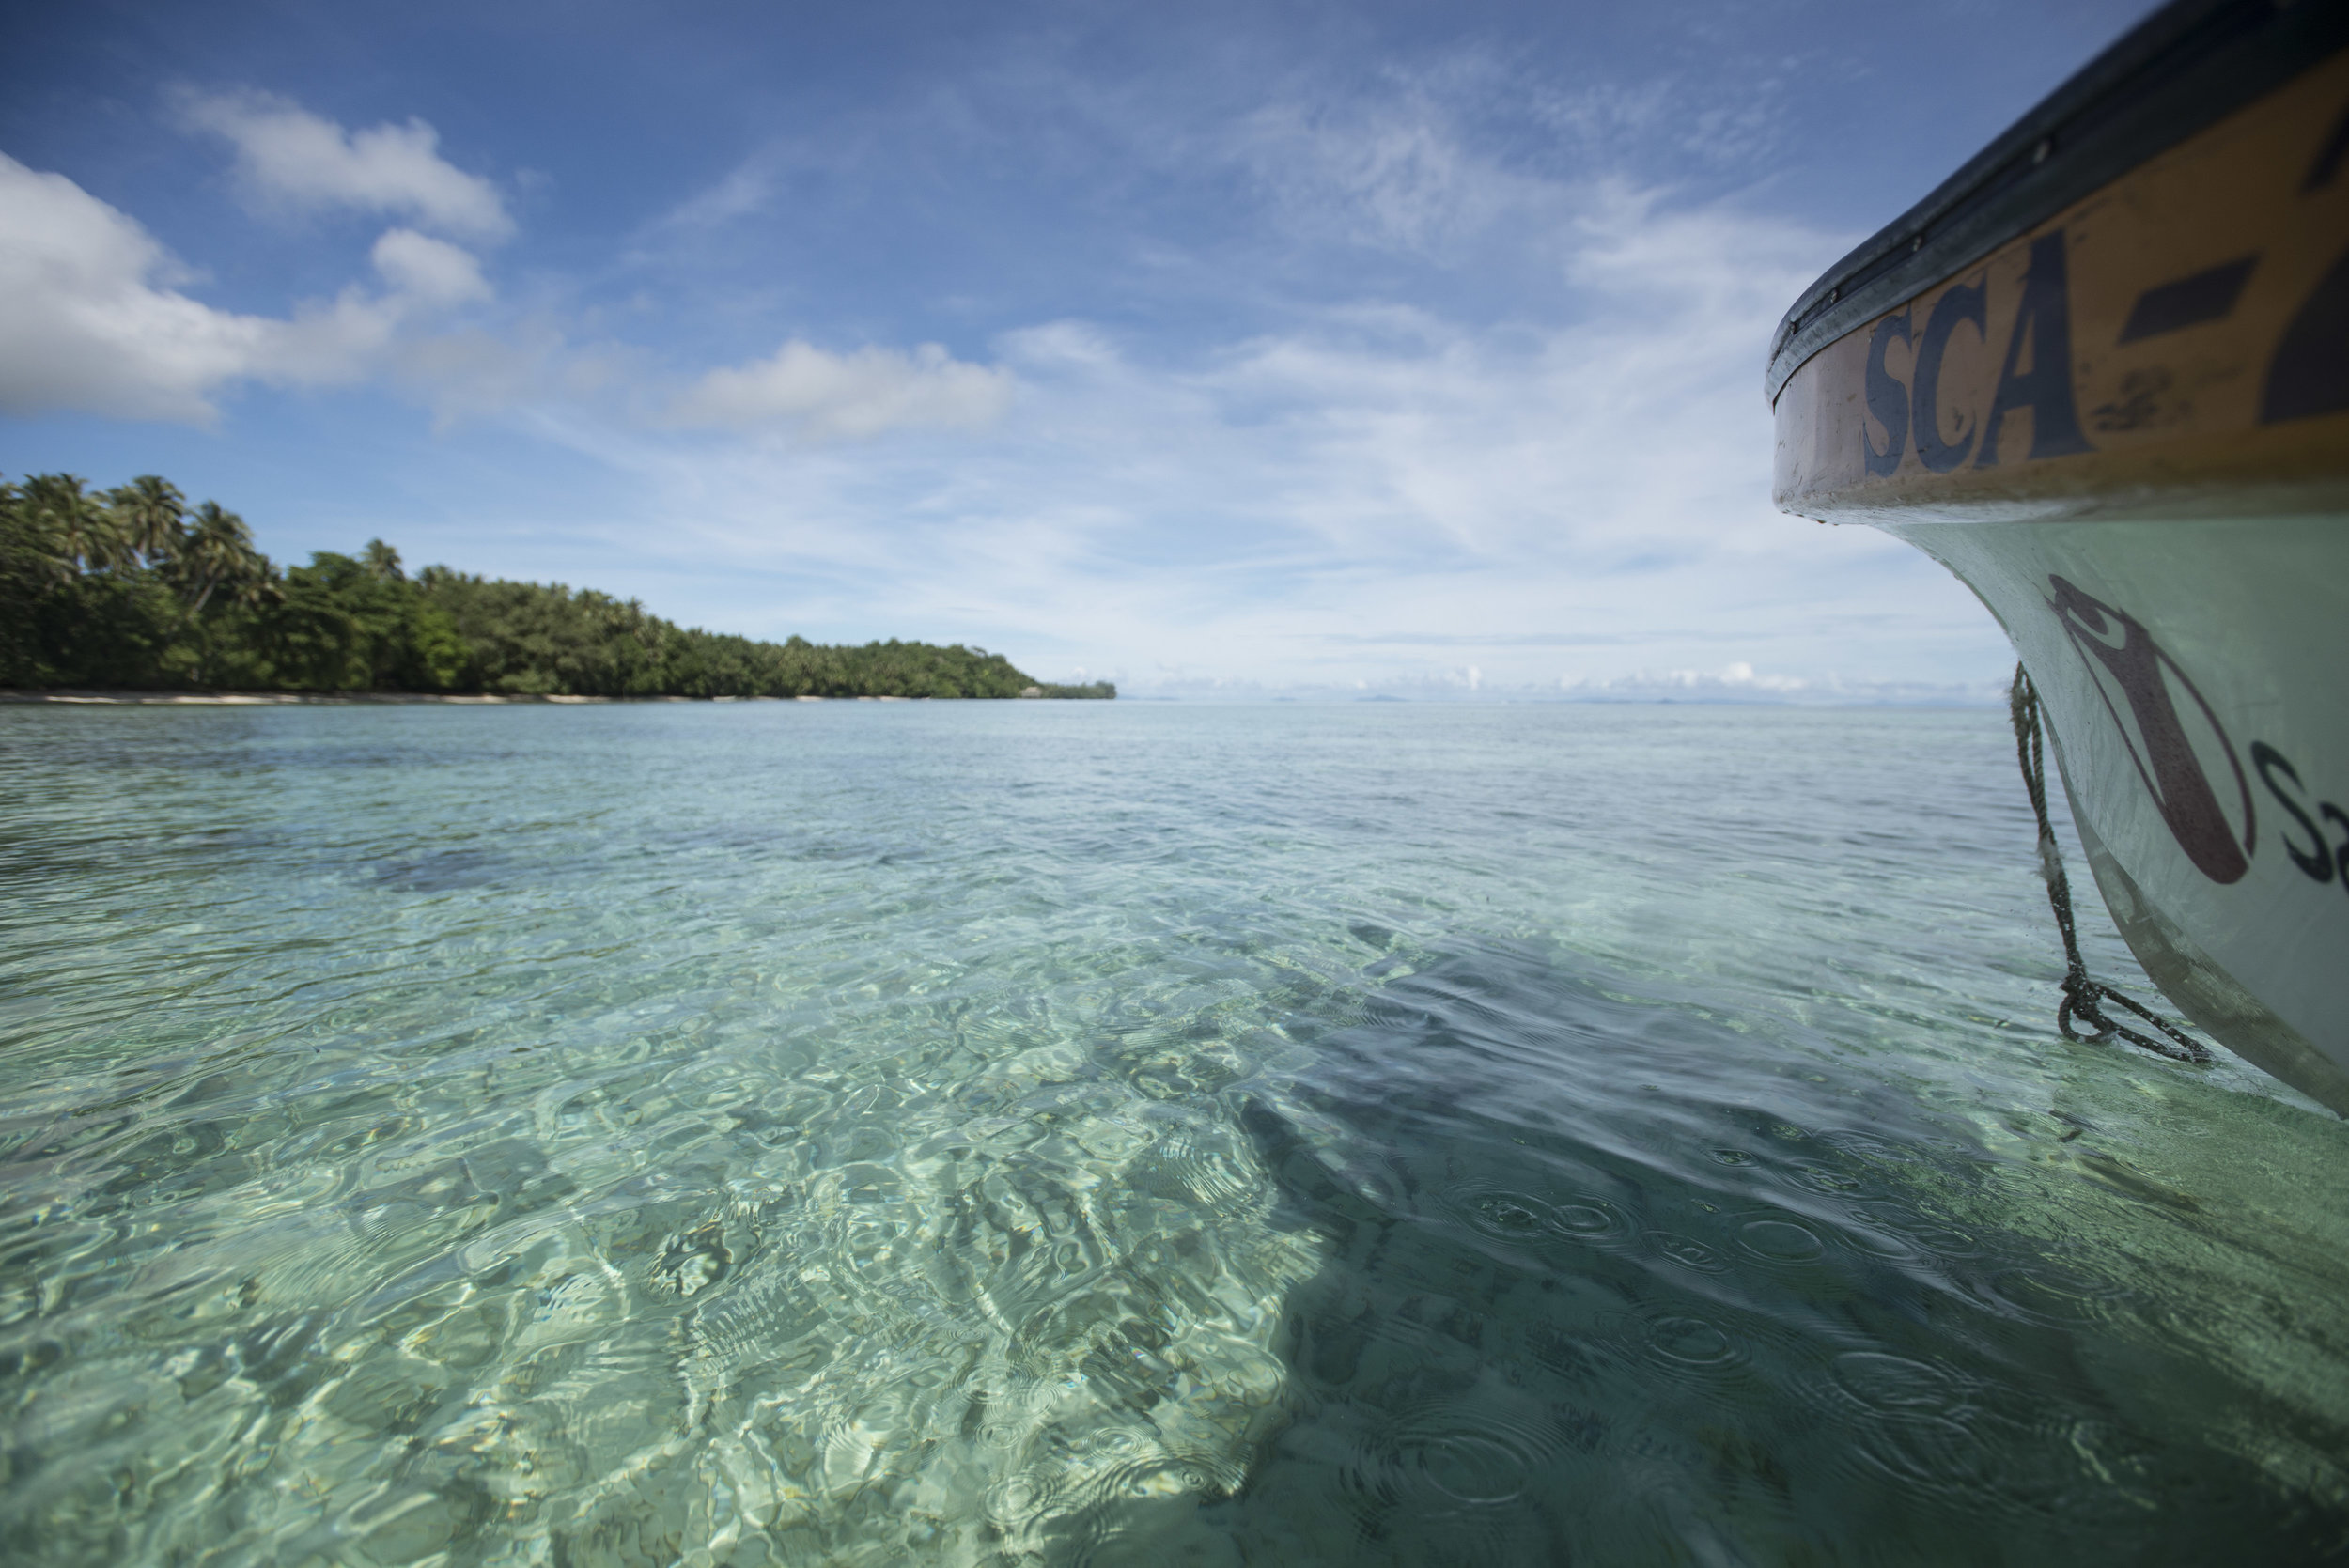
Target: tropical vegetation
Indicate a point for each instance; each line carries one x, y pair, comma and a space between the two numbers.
132, 589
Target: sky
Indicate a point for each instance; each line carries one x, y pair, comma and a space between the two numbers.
1218, 350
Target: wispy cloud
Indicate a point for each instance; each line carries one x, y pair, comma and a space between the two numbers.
1392, 174
745, 189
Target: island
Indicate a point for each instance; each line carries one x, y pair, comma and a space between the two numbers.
131, 589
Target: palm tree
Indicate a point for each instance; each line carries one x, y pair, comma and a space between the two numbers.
83, 532
219, 554
151, 514
36, 557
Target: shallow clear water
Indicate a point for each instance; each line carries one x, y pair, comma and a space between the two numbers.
1083, 1132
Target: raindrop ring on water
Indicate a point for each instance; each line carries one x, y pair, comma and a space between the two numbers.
1781, 1241
1499, 1212
1691, 1341
1688, 1252
1473, 1468
1587, 1219
1483, 1458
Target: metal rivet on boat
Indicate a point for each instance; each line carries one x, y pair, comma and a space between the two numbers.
2039, 153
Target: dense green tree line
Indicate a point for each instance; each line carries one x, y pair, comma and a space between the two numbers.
130, 588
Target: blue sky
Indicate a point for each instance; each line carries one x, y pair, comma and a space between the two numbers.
1209, 348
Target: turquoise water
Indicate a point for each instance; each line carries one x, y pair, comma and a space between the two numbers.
1043, 1133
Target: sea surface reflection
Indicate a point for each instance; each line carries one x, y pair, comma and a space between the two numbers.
1048, 1133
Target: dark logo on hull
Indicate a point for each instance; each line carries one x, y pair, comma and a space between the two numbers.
2160, 735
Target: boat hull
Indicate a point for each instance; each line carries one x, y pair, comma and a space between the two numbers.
2190, 671
2121, 418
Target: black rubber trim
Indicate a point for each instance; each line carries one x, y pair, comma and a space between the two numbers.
2186, 66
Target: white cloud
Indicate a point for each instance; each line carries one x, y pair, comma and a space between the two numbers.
429, 270
80, 327
807, 391
289, 157
88, 320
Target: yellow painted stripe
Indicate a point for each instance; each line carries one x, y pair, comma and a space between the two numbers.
2170, 341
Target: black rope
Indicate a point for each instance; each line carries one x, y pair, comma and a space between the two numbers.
2083, 997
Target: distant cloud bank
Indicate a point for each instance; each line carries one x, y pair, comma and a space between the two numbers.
1738, 683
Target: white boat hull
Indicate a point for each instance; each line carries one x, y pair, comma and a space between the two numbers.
2192, 672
